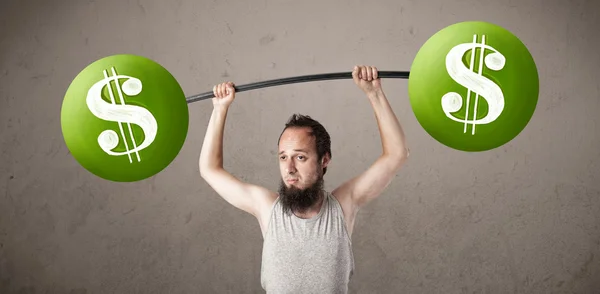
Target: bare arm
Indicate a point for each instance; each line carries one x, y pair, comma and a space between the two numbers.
245, 196
211, 156
370, 184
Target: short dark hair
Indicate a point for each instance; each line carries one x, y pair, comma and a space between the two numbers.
323, 140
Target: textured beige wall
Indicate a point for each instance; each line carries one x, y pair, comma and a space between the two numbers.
523, 218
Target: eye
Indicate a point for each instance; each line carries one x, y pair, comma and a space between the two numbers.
301, 157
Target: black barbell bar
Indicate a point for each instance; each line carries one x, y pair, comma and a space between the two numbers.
298, 79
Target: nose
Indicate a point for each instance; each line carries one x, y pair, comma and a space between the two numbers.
290, 168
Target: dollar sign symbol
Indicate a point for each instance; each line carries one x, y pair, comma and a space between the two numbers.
474, 82
121, 114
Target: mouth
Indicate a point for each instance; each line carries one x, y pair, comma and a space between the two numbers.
292, 181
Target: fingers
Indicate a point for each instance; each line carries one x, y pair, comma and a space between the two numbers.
229, 88
356, 73
223, 89
366, 73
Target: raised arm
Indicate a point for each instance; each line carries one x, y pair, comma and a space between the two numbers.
247, 197
368, 185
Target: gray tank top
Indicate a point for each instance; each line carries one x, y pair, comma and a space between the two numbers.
307, 255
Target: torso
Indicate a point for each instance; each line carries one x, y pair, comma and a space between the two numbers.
306, 253
265, 212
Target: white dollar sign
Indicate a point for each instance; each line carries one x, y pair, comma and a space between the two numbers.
122, 113
474, 82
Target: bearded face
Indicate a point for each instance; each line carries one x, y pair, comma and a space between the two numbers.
301, 168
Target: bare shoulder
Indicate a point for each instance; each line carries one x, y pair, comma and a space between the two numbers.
357, 192
349, 208
251, 198
265, 199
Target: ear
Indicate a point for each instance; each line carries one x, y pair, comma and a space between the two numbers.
325, 160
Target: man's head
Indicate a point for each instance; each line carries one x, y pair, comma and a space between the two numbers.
304, 151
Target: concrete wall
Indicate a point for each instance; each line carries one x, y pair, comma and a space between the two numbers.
523, 218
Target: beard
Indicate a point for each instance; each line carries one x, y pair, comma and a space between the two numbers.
299, 200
